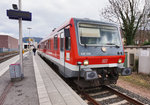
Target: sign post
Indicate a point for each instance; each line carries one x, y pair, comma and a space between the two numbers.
20, 40
19, 15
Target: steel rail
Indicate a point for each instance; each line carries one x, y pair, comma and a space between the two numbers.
128, 98
7, 57
93, 101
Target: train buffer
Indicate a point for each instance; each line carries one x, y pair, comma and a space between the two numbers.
40, 86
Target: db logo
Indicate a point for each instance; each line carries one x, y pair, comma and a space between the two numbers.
104, 60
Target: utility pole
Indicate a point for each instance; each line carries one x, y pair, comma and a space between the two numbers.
20, 40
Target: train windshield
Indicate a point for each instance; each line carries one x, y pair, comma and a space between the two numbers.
98, 35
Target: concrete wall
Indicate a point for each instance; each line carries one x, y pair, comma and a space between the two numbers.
142, 54
144, 61
132, 50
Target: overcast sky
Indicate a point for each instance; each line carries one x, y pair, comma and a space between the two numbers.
48, 14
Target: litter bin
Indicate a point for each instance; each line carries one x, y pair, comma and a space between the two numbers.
15, 71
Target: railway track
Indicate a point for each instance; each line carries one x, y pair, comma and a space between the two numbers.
106, 95
4, 56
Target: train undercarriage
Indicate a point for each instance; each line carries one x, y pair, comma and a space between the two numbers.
100, 76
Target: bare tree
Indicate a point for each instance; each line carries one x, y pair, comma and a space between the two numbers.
130, 14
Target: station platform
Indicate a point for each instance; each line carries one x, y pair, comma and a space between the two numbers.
52, 90
40, 86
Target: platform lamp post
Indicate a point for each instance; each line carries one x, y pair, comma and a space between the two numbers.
29, 28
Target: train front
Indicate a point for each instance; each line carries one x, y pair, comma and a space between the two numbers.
100, 52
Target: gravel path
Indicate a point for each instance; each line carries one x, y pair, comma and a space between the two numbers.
134, 88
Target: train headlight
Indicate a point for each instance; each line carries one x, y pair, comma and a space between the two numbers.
104, 49
120, 60
86, 62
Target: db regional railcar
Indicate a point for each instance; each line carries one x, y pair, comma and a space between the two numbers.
86, 49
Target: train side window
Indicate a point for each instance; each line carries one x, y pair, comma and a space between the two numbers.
61, 42
45, 45
55, 42
49, 44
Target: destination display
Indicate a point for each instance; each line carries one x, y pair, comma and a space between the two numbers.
16, 14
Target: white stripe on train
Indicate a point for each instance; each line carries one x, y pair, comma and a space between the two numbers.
75, 67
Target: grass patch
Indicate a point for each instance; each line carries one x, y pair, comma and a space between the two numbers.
141, 80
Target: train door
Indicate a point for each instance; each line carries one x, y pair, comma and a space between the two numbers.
62, 53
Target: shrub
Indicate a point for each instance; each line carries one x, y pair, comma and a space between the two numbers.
146, 43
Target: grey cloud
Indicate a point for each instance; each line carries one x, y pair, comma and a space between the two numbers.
48, 14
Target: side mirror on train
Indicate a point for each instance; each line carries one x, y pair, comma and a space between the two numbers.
67, 32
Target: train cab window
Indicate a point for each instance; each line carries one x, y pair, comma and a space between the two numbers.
55, 42
92, 34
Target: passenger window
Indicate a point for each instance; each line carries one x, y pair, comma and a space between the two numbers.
49, 44
61, 42
55, 42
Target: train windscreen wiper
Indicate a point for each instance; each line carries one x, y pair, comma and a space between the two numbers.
85, 45
113, 44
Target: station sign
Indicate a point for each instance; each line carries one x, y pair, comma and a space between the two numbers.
16, 14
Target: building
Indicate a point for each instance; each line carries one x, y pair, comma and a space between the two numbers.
8, 43
138, 58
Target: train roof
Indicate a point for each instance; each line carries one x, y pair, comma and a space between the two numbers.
86, 20
94, 21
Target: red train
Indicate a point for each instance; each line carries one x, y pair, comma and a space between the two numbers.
86, 49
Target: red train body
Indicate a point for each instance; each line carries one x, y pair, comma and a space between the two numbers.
86, 49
